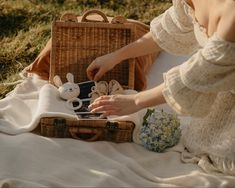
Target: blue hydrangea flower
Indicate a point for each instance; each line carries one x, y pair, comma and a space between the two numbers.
160, 130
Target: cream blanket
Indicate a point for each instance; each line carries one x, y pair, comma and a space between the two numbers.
28, 160
33, 99
22, 109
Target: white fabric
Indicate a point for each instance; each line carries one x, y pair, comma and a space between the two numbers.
22, 109
28, 160
192, 87
173, 30
201, 87
33, 99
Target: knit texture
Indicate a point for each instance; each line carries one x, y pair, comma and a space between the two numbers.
202, 87
213, 136
173, 30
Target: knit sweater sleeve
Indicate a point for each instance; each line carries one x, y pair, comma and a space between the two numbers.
173, 30
192, 87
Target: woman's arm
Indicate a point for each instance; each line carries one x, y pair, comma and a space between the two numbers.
151, 97
101, 65
142, 46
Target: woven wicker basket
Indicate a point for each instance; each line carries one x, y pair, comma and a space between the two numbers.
87, 130
74, 46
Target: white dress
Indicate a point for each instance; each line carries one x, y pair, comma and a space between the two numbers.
202, 87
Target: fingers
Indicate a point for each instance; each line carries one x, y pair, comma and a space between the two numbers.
109, 113
95, 70
98, 75
103, 109
105, 105
103, 100
99, 67
94, 73
91, 71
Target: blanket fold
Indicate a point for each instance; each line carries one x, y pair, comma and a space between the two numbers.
31, 100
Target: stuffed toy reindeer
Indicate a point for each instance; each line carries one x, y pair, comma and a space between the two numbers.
68, 91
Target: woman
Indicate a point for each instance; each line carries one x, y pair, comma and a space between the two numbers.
202, 87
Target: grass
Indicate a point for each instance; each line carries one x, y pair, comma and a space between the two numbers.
25, 26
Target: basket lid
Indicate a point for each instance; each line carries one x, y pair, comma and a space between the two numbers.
76, 44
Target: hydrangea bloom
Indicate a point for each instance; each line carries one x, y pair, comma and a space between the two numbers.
160, 130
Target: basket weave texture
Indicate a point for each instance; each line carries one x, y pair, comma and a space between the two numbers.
87, 130
76, 44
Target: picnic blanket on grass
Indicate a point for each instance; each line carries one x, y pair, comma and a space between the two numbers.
29, 160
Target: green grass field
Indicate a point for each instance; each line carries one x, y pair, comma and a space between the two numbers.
25, 26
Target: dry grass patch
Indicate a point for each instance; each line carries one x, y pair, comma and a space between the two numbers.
25, 26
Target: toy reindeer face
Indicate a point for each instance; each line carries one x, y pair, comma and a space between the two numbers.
69, 89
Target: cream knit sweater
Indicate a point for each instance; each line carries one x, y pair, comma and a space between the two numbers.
202, 87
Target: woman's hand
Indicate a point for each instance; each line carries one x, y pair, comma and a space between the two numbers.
115, 105
128, 104
101, 65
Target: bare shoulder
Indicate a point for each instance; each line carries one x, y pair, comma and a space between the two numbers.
226, 25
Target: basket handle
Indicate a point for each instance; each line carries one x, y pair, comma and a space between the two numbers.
77, 133
69, 17
94, 11
119, 20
